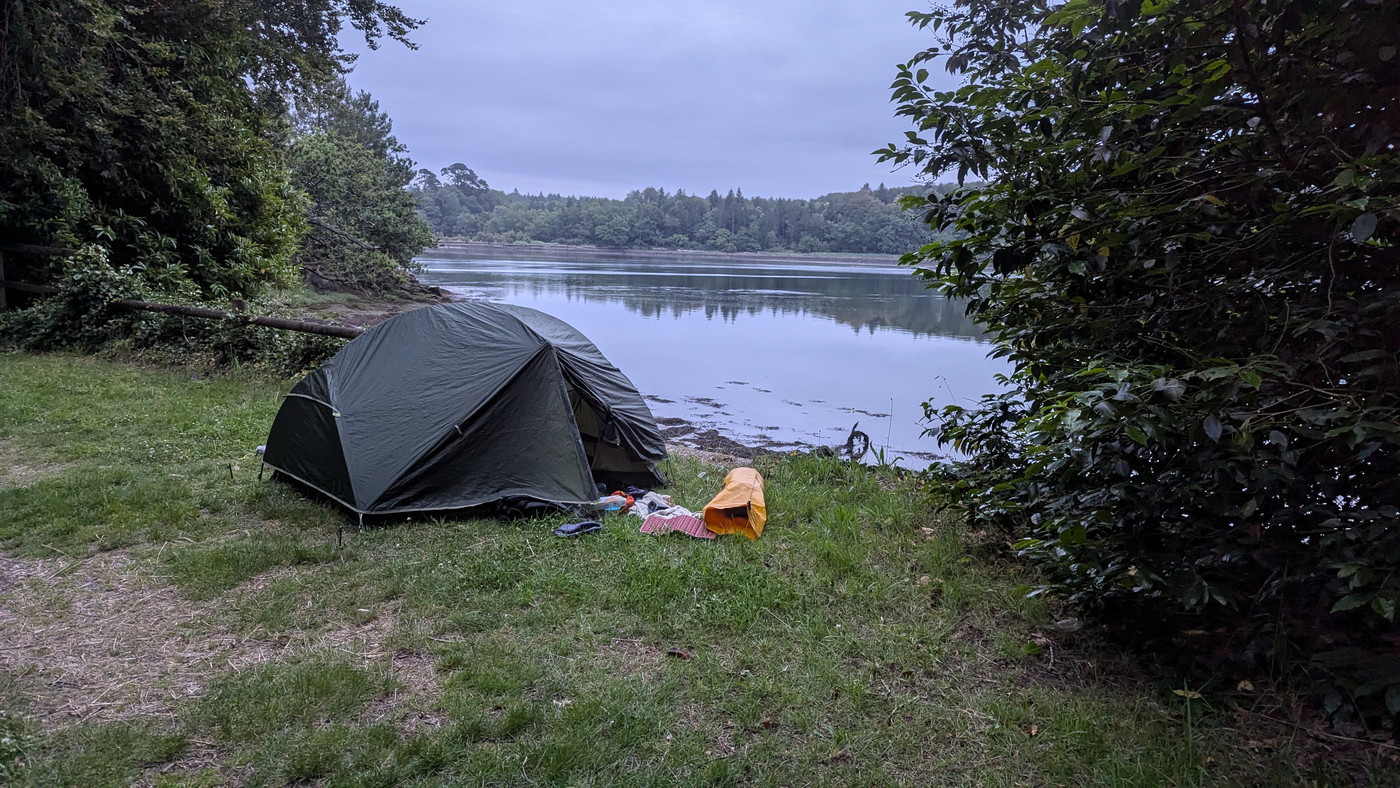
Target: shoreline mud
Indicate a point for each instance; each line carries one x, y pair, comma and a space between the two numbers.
706, 439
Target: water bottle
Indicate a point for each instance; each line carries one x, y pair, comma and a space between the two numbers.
612, 503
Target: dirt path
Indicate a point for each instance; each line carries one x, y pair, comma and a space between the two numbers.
105, 639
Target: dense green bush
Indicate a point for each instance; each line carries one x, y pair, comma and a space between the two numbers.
156, 129
1186, 246
364, 228
84, 315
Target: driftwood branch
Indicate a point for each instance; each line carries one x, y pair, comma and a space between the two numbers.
304, 326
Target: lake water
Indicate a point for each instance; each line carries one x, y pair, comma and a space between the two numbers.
773, 354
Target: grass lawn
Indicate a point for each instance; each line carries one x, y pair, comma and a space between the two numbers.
166, 618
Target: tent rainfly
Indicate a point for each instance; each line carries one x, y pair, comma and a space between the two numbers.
463, 405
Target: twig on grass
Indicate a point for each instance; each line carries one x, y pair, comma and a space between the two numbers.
1323, 734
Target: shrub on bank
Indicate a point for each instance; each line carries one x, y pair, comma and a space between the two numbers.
84, 315
1187, 248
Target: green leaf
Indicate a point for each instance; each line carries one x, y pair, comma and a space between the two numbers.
1364, 355
1212, 427
1249, 508
1363, 227
1351, 602
1384, 608
1392, 693
1171, 388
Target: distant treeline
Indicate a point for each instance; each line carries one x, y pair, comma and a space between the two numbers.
460, 204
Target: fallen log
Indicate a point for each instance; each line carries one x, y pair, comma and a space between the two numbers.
304, 326
37, 249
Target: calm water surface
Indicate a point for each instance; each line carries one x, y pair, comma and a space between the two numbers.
774, 354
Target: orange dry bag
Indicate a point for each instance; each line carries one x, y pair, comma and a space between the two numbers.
739, 507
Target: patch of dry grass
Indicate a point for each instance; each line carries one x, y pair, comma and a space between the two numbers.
100, 639
104, 639
17, 471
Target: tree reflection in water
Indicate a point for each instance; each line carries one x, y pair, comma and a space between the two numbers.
861, 296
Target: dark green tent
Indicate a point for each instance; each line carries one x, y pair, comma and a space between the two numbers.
463, 405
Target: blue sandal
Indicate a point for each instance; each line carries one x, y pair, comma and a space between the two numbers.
574, 529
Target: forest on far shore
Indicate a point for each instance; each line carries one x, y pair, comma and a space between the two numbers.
460, 204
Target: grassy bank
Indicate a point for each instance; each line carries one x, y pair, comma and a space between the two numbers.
167, 618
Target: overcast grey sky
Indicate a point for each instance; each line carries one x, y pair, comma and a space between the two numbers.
782, 98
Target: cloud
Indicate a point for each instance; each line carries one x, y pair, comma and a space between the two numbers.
780, 98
